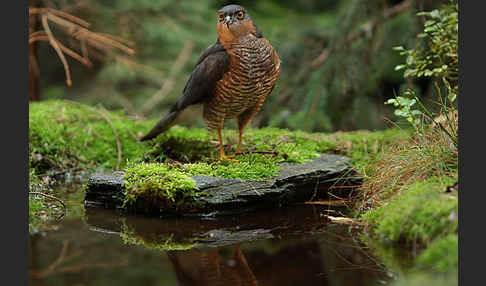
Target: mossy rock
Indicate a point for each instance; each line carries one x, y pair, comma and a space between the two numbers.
295, 182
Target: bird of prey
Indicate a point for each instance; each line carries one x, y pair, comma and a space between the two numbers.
230, 80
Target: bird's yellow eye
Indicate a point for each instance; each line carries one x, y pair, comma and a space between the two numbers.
221, 17
240, 15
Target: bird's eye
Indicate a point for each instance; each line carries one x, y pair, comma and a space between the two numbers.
221, 17
240, 15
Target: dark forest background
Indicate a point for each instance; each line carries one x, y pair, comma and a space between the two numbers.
338, 62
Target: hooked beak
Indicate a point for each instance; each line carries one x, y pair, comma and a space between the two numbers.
228, 21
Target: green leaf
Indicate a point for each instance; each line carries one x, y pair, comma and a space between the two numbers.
400, 67
398, 48
434, 14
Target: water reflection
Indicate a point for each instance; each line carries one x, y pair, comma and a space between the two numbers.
288, 246
212, 267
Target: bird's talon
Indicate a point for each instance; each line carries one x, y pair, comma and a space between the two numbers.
227, 158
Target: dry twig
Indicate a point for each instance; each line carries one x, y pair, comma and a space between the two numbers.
76, 28
79, 21
56, 47
328, 203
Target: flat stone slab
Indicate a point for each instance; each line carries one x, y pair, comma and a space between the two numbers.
295, 183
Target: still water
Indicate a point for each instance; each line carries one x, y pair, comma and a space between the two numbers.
294, 245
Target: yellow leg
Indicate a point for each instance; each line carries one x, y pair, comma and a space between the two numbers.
222, 156
238, 150
221, 151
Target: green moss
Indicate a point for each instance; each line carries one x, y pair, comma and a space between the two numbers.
249, 168
405, 203
196, 144
34, 207
361, 146
441, 255
35, 222
65, 135
167, 243
167, 185
427, 278
264, 149
420, 212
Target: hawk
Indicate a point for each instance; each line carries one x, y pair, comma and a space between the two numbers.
231, 78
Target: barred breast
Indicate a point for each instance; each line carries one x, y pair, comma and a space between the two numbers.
254, 69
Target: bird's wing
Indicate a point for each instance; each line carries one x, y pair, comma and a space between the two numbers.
212, 65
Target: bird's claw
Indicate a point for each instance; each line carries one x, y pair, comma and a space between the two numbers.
228, 158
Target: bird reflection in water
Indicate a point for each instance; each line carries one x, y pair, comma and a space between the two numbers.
212, 267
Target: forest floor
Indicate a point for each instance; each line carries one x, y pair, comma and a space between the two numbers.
408, 199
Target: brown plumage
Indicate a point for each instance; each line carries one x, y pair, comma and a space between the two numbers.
231, 79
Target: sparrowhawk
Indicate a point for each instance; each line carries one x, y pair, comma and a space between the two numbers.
231, 79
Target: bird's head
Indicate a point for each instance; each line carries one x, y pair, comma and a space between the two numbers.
233, 23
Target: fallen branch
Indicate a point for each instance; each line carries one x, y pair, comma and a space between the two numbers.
50, 197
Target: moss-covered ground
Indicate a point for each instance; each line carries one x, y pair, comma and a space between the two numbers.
408, 218
404, 193
410, 201
67, 137
422, 218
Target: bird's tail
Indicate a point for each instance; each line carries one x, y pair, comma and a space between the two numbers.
163, 125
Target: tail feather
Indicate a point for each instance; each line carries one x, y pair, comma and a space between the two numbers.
163, 125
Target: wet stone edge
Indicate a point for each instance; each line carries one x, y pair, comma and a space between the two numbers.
296, 182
